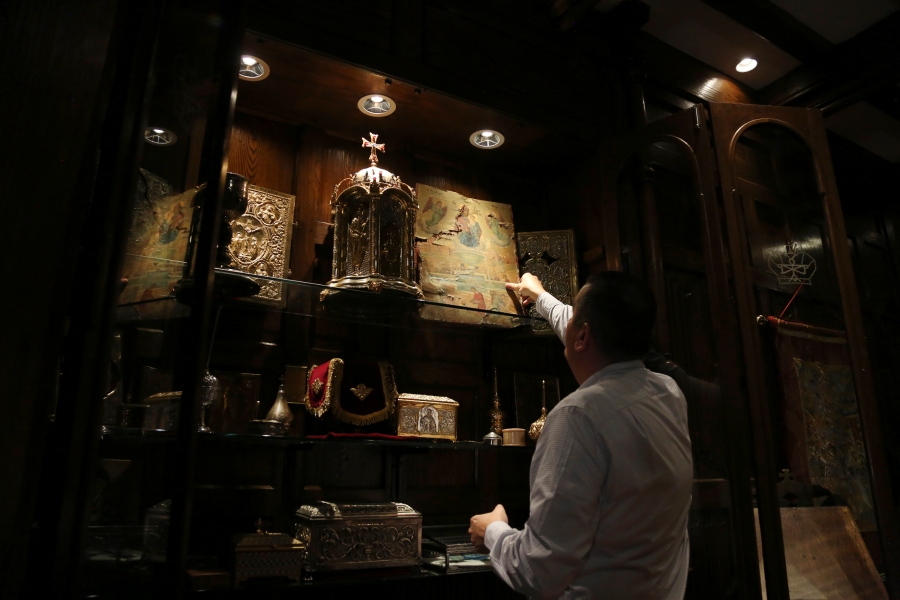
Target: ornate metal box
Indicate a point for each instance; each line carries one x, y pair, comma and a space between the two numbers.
374, 230
359, 536
266, 555
426, 416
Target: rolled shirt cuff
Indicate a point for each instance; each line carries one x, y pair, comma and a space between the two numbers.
495, 532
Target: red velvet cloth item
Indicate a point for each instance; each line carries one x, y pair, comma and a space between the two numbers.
320, 373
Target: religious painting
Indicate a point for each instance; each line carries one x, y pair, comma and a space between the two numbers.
157, 242
261, 241
823, 436
466, 254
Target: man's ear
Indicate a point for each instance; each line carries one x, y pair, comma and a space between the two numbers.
583, 338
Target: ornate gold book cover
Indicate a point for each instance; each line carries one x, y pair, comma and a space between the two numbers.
261, 241
550, 256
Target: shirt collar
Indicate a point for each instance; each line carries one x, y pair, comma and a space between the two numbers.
611, 371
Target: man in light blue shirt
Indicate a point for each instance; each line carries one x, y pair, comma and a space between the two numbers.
612, 473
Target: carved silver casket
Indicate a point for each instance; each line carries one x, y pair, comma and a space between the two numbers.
374, 231
359, 536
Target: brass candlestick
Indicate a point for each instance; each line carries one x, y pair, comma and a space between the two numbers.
534, 432
496, 414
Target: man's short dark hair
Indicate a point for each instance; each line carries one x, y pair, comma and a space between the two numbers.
621, 311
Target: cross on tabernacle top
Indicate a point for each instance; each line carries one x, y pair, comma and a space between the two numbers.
367, 144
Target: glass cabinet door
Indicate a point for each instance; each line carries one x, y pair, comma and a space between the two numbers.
808, 377
135, 508
661, 224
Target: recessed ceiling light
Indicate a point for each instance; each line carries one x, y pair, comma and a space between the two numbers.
253, 68
748, 64
159, 136
487, 139
376, 105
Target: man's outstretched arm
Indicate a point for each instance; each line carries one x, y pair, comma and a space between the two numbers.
532, 291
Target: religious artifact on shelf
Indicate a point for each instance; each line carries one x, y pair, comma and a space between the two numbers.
209, 391
549, 256
230, 284
374, 231
280, 411
495, 413
359, 536
157, 240
156, 531
534, 432
467, 255
237, 404
158, 412
264, 555
426, 416
355, 392
261, 241
534, 391
823, 438
513, 436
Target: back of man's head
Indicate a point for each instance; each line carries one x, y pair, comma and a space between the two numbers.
620, 311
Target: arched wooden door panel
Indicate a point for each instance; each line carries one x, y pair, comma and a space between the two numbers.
662, 223
780, 196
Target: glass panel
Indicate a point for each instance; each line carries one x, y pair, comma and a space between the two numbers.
815, 428
131, 491
660, 232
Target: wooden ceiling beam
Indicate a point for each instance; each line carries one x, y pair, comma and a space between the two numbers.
775, 25
867, 62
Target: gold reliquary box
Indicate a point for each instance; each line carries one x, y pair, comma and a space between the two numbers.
426, 416
359, 536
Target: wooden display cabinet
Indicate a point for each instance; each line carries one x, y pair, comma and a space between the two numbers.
664, 202
697, 203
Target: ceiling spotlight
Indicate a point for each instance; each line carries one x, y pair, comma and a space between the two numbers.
253, 68
159, 136
487, 139
376, 105
748, 64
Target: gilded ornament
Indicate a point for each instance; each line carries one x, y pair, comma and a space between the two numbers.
317, 385
361, 391
534, 432
496, 414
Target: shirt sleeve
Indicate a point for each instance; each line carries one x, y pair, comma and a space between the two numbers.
557, 314
568, 472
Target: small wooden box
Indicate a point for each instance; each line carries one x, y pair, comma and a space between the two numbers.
267, 555
359, 536
426, 416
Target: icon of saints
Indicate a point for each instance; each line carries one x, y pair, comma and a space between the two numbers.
437, 210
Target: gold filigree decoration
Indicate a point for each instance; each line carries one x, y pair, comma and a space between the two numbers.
261, 240
361, 391
317, 385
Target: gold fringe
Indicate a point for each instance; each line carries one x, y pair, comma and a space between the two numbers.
389, 385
